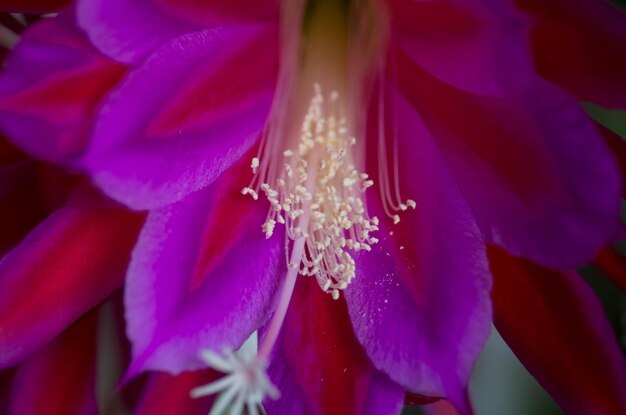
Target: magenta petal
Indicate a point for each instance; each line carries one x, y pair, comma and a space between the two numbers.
51, 87
65, 266
129, 31
420, 300
60, 378
557, 328
194, 108
320, 368
202, 276
533, 167
479, 46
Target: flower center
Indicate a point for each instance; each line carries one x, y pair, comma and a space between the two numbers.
320, 178
310, 165
310, 173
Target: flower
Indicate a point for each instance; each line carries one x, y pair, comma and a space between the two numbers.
445, 107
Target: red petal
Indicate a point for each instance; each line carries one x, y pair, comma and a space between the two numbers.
165, 394
67, 265
581, 44
32, 6
556, 326
416, 399
319, 366
51, 88
6, 379
60, 378
9, 154
21, 204
613, 265
618, 146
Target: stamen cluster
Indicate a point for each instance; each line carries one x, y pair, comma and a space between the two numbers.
319, 180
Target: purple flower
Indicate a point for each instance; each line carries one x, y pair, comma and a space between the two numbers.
436, 107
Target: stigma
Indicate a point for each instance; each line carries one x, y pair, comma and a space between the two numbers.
245, 383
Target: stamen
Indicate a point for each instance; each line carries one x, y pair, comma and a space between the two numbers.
332, 199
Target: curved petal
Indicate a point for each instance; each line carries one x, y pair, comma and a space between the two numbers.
61, 377
154, 145
165, 394
478, 46
320, 368
202, 277
556, 326
533, 166
594, 68
51, 87
65, 266
420, 300
148, 24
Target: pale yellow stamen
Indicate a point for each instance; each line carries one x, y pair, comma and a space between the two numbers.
333, 196
389, 186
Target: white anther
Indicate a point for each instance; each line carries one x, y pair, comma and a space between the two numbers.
268, 228
251, 192
255, 164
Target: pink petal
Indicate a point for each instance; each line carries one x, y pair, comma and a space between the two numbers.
60, 377
581, 45
51, 88
154, 145
420, 300
478, 46
318, 365
65, 266
149, 24
532, 166
556, 326
202, 276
